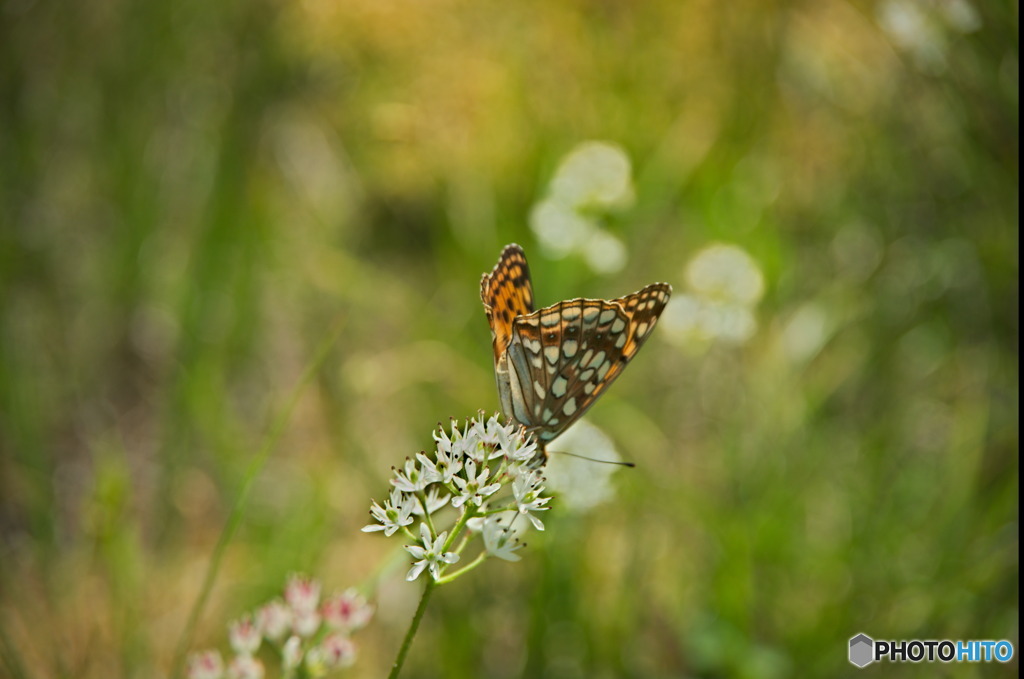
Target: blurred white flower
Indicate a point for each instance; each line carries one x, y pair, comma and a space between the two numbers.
244, 635
685, 322
726, 273
604, 253
910, 26
347, 611
335, 651
306, 623
594, 178
245, 667
595, 174
302, 594
338, 651
733, 323
274, 619
322, 649
693, 320
560, 228
205, 665
725, 283
291, 653
582, 484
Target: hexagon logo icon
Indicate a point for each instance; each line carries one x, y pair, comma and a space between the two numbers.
862, 650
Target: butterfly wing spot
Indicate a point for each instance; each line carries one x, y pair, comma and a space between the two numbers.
551, 353
538, 388
569, 348
550, 320
570, 407
558, 387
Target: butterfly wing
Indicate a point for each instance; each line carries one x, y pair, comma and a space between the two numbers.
562, 357
507, 293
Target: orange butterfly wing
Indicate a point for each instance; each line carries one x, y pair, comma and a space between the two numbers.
507, 293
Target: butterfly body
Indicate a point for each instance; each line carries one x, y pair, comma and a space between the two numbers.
553, 363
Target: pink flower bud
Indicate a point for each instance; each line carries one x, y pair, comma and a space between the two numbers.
346, 612
205, 665
244, 636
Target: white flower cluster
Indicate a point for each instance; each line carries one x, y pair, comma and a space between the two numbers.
312, 636
467, 471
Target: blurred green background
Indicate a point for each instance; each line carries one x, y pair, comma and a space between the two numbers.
192, 193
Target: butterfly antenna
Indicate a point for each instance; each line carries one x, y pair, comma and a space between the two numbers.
592, 459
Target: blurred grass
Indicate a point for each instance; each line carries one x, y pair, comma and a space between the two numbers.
191, 193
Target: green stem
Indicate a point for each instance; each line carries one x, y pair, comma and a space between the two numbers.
413, 626
465, 569
467, 514
234, 517
460, 525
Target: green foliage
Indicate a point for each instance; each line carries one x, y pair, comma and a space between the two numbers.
192, 194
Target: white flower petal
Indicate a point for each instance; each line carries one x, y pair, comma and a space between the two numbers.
415, 571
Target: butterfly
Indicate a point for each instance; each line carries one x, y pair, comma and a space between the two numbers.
552, 364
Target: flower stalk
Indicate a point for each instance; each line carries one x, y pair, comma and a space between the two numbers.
410, 634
